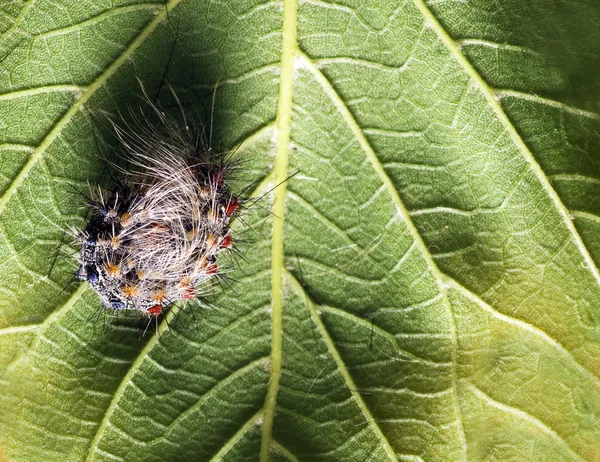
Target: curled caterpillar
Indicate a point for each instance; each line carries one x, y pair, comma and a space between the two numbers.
155, 238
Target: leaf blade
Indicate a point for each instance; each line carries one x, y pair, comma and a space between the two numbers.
436, 299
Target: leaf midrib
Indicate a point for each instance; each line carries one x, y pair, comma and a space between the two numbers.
283, 123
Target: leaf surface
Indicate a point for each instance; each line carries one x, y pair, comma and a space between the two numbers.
425, 287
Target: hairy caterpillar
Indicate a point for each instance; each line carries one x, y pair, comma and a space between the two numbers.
154, 239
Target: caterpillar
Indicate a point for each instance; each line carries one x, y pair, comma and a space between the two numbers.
155, 238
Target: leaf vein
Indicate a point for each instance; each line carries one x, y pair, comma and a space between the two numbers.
451, 283
99, 18
41, 90
284, 451
303, 61
289, 49
79, 103
493, 103
501, 93
17, 20
237, 436
369, 419
382, 331
523, 415
256, 364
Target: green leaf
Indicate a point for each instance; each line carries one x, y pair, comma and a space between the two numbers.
426, 286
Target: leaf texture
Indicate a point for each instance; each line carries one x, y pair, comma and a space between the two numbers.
425, 286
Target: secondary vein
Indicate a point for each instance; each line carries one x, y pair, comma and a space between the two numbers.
490, 97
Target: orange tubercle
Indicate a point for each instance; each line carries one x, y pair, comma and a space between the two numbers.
211, 242
130, 291
113, 270
205, 191
213, 216
159, 295
192, 234
115, 242
201, 264
126, 219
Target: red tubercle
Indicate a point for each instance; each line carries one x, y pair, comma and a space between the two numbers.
232, 206
189, 293
212, 269
227, 242
155, 311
